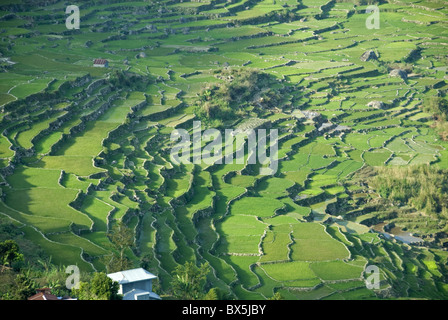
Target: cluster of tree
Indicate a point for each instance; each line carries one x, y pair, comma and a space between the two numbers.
122, 79
241, 92
188, 282
9, 253
23, 265
438, 107
21, 281
98, 287
17, 285
422, 187
20, 277
24, 268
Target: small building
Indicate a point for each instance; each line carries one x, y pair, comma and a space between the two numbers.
45, 294
135, 284
102, 63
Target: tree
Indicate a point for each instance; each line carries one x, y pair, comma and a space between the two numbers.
122, 238
188, 281
213, 294
117, 263
24, 286
276, 296
9, 252
437, 106
101, 287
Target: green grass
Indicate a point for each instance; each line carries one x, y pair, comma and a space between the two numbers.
25, 178
377, 158
296, 270
275, 246
25, 138
241, 234
62, 254
336, 270
242, 266
46, 224
89, 142
71, 181
5, 150
243, 181
78, 165
34, 201
257, 206
98, 211
274, 187
73, 240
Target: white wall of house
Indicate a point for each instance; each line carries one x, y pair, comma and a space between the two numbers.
142, 285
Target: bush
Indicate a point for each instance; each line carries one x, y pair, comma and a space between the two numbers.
437, 106
423, 187
101, 287
188, 281
241, 92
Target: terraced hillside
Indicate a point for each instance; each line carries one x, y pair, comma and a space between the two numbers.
84, 148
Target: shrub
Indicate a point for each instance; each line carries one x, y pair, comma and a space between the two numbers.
241, 91
438, 106
101, 287
423, 187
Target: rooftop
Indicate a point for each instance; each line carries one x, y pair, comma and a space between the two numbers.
100, 61
133, 275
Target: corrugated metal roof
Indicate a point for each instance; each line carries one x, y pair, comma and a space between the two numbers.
132, 275
43, 296
100, 61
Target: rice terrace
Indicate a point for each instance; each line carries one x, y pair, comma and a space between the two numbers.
354, 89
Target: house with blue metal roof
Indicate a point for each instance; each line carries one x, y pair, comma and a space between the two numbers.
135, 284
